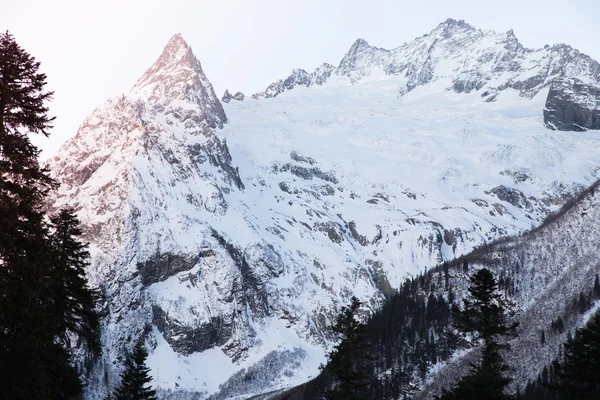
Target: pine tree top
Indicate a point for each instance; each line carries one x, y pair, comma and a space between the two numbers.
136, 378
22, 99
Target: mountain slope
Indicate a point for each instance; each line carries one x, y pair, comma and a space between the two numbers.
550, 276
230, 235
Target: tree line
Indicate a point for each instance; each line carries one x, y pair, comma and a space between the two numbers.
385, 357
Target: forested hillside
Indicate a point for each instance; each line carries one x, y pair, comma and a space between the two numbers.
549, 277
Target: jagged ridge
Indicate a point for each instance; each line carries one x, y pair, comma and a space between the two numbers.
464, 59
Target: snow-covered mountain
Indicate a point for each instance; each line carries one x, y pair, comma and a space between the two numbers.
463, 59
230, 235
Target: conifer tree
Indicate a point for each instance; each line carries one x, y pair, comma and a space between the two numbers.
484, 316
75, 302
344, 362
27, 346
135, 378
543, 338
579, 373
34, 364
23, 183
484, 310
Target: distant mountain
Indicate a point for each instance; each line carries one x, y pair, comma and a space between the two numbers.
297, 77
227, 97
230, 235
463, 59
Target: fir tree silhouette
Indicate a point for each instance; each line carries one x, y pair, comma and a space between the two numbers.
136, 378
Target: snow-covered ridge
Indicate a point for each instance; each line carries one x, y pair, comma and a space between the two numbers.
464, 60
230, 235
298, 77
469, 59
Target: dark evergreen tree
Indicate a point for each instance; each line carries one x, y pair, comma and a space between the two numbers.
23, 183
558, 325
136, 378
484, 316
543, 338
75, 302
579, 374
31, 364
484, 309
344, 361
34, 364
446, 274
582, 303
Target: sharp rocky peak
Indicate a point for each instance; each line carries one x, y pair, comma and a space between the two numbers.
358, 44
177, 75
451, 26
176, 59
170, 114
297, 77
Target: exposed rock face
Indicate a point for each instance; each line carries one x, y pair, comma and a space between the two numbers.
185, 339
572, 105
162, 266
298, 77
512, 196
227, 96
239, 96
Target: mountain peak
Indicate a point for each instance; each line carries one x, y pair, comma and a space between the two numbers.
178, 51
360, 42
451, 26
454, 23
358, 58
177, 75
177, 61
176, 40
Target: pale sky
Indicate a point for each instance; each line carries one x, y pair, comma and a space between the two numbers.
94, 50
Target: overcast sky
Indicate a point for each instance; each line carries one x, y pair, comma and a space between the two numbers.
94, 50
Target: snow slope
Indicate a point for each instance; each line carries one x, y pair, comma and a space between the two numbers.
230, 235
